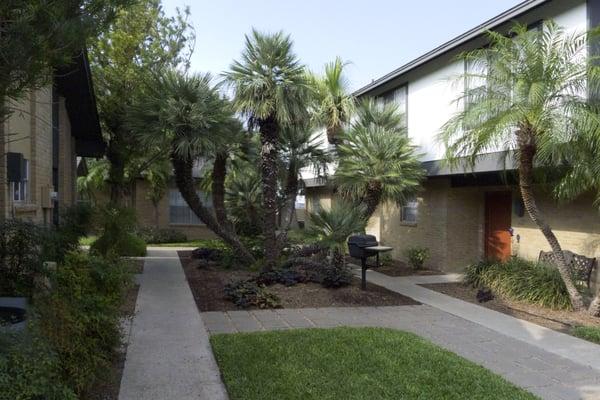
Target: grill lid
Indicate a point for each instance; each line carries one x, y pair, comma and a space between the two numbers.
362, 240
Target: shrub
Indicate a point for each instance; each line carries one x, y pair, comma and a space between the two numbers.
19, 257
336, 275
30, 369
79, 317
116, 237
159, 235
417, 256
518, 279
248, 293
590, 333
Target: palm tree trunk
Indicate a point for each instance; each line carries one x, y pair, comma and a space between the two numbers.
186, 185
269, 138
290, 193
594, 308
372, 198
527, 150
218, 189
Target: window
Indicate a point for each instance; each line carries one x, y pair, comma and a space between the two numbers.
20, 190
180, 213
398, 96
409, 211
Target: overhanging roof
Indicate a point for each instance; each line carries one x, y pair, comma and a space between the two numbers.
474, 33
74, 83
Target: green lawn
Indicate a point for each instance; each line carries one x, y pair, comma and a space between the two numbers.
590, 333
348, 364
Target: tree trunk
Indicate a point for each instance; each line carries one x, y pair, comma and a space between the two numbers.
290, 193
527, 150
186, 185
269, 135
372, 198
333, 134
594, 308
218, 190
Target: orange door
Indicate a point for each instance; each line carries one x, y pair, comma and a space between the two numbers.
498, 209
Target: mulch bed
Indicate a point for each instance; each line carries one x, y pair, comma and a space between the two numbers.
108, 388
207, 282
396, 268
558, 320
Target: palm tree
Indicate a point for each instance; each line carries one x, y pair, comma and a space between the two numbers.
271, 88
329, 229
301, 148
530, 105
186, 115
377, 162
335, 103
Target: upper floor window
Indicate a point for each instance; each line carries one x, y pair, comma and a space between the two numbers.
398, 96
179, 211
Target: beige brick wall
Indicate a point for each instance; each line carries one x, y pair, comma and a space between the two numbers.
148, 215
29, 131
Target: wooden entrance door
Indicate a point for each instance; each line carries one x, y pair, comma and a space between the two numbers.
498, 209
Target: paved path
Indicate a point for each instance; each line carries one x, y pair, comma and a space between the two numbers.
169, 355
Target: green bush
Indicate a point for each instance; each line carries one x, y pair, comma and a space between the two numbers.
30, 369
79, 317
590, 333
518, 279
116, 234
19, 257
158, 235
248, 293
417, 256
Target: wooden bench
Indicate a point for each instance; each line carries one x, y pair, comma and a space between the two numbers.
581, 267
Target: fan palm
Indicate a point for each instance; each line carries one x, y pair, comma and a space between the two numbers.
377, 162
335, 103
330, 228
271, 88
186, 115
531, 104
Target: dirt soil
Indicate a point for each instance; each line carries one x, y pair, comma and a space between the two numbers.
392, 267
558, 320
108, 387
208, 281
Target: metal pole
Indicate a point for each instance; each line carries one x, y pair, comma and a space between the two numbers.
363, 284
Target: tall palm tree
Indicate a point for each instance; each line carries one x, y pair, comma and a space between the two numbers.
271, 88
335, 103
377, 162
186, 115
532, 102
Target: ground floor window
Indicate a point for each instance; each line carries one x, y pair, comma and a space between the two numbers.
180, 213
409, 211
20, 190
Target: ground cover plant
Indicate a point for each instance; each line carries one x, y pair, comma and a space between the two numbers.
589, 333
519, 279
350, 363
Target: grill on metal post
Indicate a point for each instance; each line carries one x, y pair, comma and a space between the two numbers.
357, 245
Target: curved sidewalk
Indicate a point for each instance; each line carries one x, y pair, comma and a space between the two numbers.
169, 354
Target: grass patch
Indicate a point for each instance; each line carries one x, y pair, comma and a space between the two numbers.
87, 240
189, 243
589, 333
518, 279
351, 364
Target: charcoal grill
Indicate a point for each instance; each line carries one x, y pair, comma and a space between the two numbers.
363, 247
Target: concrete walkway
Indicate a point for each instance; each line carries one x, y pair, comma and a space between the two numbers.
169, 354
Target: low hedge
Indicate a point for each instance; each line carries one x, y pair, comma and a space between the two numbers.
160, 235
518, 279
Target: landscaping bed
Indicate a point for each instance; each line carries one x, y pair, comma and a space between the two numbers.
559, 320
351, 364
208, 281
393, 267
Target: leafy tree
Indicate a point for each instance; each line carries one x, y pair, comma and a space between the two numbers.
157, 178
271, 88
185, 114
37, 36
140, 43
377, 162
531, 104
335, 103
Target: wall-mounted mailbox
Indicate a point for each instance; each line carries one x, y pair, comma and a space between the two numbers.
15, 165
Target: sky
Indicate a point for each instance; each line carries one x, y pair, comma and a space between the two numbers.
375, 36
